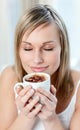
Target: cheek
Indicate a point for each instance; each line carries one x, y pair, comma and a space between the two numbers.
25, 61
55, 59
24, 57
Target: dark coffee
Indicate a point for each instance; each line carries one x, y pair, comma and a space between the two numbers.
36, 78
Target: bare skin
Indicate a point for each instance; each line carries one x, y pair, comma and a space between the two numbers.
9, 114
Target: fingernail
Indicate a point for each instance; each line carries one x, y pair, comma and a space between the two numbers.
32, 91
23, 99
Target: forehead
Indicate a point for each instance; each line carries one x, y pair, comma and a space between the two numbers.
43, 31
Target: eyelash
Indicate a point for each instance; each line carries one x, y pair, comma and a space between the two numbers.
48, 49
44, 49
27, 49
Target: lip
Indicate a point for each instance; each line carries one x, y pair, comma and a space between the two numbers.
39, 69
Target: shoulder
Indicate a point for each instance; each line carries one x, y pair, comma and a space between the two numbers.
76, 76
8, 79
76, 80
8, 71
8, 75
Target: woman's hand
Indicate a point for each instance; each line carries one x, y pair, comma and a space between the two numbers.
49, 102
26, 104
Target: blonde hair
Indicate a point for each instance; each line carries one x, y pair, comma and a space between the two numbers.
44, 14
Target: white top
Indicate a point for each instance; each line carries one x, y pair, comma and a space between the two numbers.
64, 116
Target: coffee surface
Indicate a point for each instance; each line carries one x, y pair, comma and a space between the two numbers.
36, 78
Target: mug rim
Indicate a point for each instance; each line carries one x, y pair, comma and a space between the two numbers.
36, 73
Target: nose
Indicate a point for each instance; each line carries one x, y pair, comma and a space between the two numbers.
38, 57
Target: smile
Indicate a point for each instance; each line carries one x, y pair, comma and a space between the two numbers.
39, 69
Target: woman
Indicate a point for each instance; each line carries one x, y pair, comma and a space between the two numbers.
41, 45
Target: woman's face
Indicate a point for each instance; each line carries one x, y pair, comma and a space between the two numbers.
40, 51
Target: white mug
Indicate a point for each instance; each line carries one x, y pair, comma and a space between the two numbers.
44, 84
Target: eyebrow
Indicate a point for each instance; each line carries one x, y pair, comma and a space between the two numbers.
42, 43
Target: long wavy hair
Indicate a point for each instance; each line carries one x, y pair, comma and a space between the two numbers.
31, 19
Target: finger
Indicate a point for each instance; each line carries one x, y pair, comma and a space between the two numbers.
21, 101
25, 90
47, 102
27, 96
35, 111
53, 90
50, 105
18, 103
45, 114
18, 89
30, 106
47, 94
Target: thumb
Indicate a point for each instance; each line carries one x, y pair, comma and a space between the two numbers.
17, 90
53, 90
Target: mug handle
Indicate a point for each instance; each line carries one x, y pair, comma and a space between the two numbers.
17, 85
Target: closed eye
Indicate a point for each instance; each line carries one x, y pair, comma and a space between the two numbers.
27, 49
49, 49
